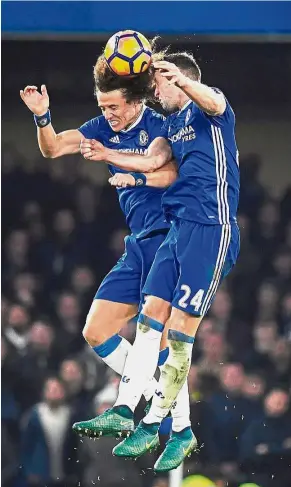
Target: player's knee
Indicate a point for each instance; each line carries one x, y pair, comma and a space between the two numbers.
92, 331
157, 309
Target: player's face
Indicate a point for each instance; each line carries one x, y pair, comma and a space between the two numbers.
167, 94
119, 112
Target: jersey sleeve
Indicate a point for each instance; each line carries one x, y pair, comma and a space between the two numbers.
164, 128
220, 120
92, 129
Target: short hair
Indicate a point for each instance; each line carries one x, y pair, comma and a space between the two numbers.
135, 89
185, 61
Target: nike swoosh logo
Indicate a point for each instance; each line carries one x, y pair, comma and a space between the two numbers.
123, 423
187, 450
148, 445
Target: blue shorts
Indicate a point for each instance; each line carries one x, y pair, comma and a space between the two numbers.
191, 263
124, 283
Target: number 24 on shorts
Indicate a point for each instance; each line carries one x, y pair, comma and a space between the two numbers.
196, 301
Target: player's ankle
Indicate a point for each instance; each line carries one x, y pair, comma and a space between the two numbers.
152, 428
124, 411
185, 432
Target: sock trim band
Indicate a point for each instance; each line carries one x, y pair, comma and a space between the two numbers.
155, 325
180, 337
108, 347
163, 355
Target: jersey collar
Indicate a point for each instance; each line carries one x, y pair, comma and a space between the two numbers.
136, 122
185, 106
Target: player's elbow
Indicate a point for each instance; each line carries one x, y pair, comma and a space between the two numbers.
218, 106
49, 152
155, 162
149, 164
169, 179
172, 178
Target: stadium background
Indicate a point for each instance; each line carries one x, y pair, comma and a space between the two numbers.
62, 230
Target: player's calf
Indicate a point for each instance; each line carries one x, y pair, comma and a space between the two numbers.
177, 365
183, 322
157, 309
104, 321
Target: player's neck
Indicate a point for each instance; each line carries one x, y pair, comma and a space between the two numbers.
183, 99
136, 116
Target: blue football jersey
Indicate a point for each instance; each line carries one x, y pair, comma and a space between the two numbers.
207, 190
141, 205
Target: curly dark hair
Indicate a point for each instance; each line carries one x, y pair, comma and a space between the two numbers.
138, 88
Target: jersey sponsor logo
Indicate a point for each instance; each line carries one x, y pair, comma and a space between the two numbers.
115, 139
188, 115
185, 133
141, 152
143, 138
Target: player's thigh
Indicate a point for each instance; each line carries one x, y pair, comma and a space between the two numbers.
162, 277
122, 283
105, 319
203, 252
118, 296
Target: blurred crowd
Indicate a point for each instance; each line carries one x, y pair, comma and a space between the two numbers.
60, 235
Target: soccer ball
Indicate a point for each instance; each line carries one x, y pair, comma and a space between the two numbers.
128, 53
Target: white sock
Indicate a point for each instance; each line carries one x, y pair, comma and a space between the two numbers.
141, 362
173, 377
180, 410
116, 361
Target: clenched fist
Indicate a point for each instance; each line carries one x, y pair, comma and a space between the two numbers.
121, 180
37, 102
93, 150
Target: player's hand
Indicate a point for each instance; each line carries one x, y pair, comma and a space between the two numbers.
121, 180
37, 102
171, 72
93, 150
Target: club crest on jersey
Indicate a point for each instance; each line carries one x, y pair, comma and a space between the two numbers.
188, 115
143, 138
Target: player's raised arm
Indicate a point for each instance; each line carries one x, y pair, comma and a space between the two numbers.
208, 100
159, 153
161, 178
51, 144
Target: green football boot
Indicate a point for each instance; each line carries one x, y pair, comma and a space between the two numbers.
145, 438
179, 446
117, 421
